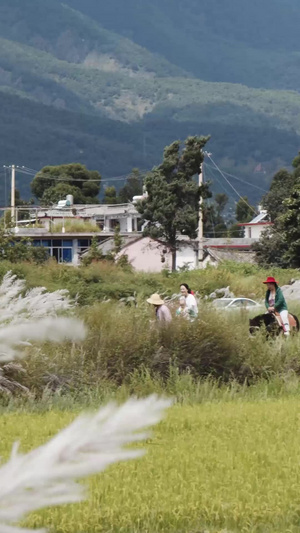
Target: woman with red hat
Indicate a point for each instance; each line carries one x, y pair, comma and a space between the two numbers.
275, 302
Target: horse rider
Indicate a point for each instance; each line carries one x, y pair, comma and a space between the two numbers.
275, 303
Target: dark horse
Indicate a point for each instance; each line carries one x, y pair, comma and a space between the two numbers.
270, 322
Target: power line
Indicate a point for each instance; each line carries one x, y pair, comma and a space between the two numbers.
239, 179
33, 173
219, 182
227, 181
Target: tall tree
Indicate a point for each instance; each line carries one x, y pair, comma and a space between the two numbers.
221, 200
172, 205
290, 225
133, 186
280, 189
53, 183
280, 244
244, 211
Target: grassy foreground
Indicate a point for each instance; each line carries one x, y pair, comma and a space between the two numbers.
217, 467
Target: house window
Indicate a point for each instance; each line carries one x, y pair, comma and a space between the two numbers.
61, 250
249, 232
83, 245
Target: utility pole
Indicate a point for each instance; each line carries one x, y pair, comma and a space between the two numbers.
13, 193
200, 226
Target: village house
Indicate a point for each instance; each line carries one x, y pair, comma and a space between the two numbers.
67, 230
254, 228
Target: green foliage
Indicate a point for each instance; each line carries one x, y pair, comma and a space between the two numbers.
213, 220
290, 226
133, 186
244, 211
271, 248
280, 189
230, 31
110, 196
280, 245
118, 241
18, 250
22, 214
53, 183
221, 200
75, 226
71, 83
94, 254
124, 340
172, 204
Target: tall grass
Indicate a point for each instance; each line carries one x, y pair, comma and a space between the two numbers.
104, 280
125, 350
74, 226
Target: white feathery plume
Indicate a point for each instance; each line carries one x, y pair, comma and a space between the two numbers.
33, 317
14, 336
47, 475
36, 303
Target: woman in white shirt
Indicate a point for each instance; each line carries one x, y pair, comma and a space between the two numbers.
190, 299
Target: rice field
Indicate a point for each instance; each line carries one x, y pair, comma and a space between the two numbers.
216, 467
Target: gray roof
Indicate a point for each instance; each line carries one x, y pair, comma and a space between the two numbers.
231, 255
262, 217
87, 211
229, 242
107, 246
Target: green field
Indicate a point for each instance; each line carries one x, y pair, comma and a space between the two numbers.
217, 467
227, 456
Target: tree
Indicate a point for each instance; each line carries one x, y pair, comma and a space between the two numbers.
271, 249
290, 225
280, 244
221, 200
280, 190
110, 196
133, 187
244, 211
16, 250
22, 214
172, 205
94, 253
53, 183
60, 191
235, 231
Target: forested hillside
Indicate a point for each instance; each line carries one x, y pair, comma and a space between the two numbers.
110, 84
255, 43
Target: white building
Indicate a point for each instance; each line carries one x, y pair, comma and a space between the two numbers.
254, 228
49, 227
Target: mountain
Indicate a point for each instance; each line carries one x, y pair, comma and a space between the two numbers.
110, 84
254, 43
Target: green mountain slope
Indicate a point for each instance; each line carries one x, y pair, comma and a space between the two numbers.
74, 86
254, 43
34, 134
69, 35
49, 80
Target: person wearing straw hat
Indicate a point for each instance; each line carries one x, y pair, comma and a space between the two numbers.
275, 302
161, 310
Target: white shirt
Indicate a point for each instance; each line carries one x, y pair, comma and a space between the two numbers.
191, 303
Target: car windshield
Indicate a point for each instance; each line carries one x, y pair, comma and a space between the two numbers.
222, 303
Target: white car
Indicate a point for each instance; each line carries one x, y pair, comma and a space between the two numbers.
231, 304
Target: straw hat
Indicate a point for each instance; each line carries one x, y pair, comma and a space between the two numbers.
155, 299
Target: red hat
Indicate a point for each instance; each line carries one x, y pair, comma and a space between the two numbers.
270, 280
